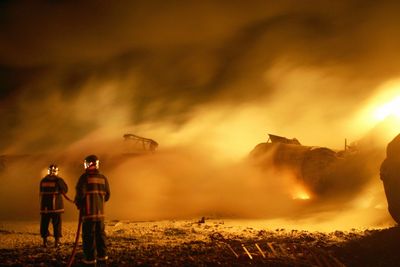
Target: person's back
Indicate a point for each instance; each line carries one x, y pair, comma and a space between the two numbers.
390, 175
92, 190
51, 203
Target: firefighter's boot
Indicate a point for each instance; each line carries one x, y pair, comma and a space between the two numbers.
45, 242
57, 243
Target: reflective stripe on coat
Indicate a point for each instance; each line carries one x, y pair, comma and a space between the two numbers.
51, 190
92, 191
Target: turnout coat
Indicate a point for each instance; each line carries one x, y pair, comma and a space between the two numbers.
92, 190
51, 189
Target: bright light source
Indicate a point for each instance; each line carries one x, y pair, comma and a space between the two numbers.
300, 192
391, 108
382, 110
302, 196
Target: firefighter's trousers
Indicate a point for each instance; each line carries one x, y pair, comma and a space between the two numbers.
94, 240
45, 221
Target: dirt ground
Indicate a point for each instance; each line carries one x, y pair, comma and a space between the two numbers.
209, 243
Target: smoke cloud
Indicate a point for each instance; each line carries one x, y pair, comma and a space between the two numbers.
207, 80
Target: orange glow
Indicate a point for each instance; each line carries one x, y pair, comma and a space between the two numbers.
382, 107
391, 108
301, 193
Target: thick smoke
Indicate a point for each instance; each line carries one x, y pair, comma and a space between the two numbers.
164, 60
207, 80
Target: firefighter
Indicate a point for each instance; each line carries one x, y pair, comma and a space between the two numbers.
390, 175
92, 190
51, 204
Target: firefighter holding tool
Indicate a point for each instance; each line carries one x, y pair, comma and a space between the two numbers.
52, 187
92, 191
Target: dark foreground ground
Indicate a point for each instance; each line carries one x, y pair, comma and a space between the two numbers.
213, 243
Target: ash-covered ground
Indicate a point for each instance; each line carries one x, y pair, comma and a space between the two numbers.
212, 242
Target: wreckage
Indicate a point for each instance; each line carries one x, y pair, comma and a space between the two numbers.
138, 144
321, 170
132, 146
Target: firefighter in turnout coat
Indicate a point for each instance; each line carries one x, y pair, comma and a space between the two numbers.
52, 188
92, 191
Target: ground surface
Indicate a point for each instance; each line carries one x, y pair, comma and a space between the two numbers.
212, 243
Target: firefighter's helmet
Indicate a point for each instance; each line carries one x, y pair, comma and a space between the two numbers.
53, 169
91, 160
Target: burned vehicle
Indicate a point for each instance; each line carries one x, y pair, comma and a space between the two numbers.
321, 170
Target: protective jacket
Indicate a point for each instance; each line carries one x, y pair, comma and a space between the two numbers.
92, 191
51, 189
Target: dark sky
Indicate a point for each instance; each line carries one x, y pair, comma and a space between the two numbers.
68, 67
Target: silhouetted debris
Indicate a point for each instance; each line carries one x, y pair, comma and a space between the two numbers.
202, 220
183, 243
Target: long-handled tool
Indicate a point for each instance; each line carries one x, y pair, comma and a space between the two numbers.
71, 259
67, 198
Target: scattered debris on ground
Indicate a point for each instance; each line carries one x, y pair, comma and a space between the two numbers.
205, 243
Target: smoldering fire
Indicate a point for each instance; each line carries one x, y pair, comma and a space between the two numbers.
206, 86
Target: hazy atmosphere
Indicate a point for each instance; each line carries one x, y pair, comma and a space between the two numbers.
207, 80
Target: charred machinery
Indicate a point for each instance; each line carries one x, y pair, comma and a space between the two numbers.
136, 143
320, 169
132, 146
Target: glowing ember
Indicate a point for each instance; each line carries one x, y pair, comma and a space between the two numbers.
301, 193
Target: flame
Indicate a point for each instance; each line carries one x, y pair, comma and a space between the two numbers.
301, 195
300, 192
